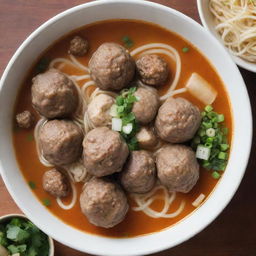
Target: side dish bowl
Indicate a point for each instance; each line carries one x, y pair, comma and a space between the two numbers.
172, 20
208, 22
9, 217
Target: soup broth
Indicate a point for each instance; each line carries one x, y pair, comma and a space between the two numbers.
135, 223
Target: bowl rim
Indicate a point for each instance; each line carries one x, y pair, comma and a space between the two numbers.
196, 227
5, 217
239, 61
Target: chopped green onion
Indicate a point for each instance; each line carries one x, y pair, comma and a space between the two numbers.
124, 120
119, 100
32, 184
185, 49
212, 136
116, 124
42, 65
113, 110
127, 129
222, 155
202, 152
120, 109
208, 108
224, 147
210, 132
207, 125
30, 137
133, 144
127, 41
220, 118
46, 202
215, 175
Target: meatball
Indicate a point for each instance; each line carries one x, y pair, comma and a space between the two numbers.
152, 69
53, 94
177, 120
146, 107
104, 152
99, 108
61, 141
111, 67
56, 183
78, 46
139, 173
103, 202
146, 138
25, 119
177, 168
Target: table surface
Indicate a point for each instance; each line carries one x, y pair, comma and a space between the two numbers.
233, 233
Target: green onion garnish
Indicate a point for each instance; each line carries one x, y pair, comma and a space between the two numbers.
124, 120
215, 175
42, 65
210, 141
47, 202
30, 137
127, 42
32, 184
185, 49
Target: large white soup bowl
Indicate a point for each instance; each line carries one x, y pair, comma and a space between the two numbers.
172, 20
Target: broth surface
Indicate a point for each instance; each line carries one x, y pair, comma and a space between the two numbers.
135, 223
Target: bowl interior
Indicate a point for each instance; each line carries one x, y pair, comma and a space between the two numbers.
208, 22
172, 20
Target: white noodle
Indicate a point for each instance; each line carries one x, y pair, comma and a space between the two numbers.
145, 200
79, 64
198, 200
236, 23
38, 126
172, 93
61, 61
73, 200
77, 171
79, 78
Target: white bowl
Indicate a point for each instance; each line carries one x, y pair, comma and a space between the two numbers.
5, 218
208, 22
172, 20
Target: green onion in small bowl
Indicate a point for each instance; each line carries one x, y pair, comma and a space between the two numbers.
20, 237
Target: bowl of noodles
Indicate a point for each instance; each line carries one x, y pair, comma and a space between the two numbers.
70, 153
233, 23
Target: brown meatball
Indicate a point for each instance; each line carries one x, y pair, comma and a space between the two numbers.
177, 168
146, 138
111, 67
61, 141
56, 183
146, 107
78, 46
104, 152
103, 202
54, 94
177, 120
152, 69
25, 119
139, 173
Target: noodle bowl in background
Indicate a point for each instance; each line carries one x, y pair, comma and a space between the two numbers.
236, 23
233, 23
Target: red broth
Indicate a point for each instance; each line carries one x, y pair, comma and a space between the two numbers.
135, 223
